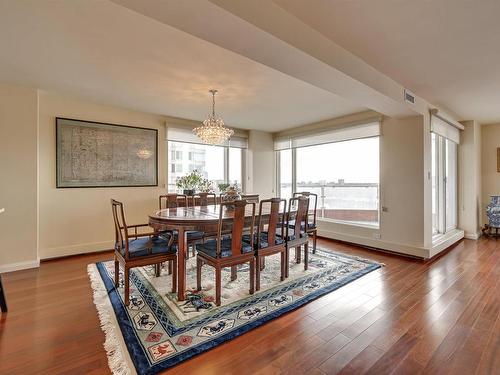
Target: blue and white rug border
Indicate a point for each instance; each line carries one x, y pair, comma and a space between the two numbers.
119, 360
109, 306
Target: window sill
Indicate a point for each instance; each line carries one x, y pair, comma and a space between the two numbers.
350, 223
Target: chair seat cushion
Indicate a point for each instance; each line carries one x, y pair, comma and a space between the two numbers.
264, 242
291, 224
210, 247
145, 246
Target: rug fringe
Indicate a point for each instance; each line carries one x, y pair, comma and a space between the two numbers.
116, 360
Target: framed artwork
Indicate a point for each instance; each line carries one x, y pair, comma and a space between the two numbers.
96, 154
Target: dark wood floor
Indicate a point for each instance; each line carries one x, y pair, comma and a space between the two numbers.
439, 317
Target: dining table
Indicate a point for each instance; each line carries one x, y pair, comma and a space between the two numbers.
194, 218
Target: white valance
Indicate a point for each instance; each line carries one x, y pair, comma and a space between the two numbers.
443, 128
329, 135
182, 133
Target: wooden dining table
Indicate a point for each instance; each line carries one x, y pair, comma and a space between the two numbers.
197, 218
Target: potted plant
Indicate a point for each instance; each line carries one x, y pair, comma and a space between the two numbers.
189, 183
222, 187
205, 186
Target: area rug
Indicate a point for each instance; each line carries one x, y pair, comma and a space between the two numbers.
156, 331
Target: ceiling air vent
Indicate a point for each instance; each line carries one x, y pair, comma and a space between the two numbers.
409, 97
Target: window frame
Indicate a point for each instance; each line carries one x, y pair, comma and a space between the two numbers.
294, 186
226, 162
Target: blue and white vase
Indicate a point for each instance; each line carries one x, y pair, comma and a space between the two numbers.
493, 211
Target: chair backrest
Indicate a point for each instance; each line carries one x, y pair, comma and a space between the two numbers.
312, 205
254, 198
205, 199
172, 201
277, 208
238, 210
298, 208
121, 232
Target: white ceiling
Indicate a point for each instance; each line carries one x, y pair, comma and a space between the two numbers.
446, 51
102, 51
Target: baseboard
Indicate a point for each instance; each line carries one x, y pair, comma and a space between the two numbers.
403, 249
446, 241
63, 251
17, 266
472, 236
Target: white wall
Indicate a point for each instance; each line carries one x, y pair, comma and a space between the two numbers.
469, 180
18, 177
260, 164
79, 220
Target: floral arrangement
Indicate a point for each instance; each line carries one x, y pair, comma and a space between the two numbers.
190, 181
205, 186
223, 186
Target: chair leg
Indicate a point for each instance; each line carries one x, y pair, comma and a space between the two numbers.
157, 269
297, 254
174, 276
199, 264
283, 260
315, 233
252, 275
117, 273
218, 285
127, 286
287, 261
234, 273
262, 263
306, 256
169, 267
257, 273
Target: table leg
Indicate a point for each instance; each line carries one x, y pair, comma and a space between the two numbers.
181, 265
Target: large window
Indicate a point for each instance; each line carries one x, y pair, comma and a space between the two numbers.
219, 164
444, 184
344, 173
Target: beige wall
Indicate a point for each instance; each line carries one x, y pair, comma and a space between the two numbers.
260, 164
469, 180
18, 177
490, 136
79, 220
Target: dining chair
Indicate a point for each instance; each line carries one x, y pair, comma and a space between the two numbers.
173, 200
140, 249
295, 234
253, 198
312, 229
205, 199
270, 236
228, 250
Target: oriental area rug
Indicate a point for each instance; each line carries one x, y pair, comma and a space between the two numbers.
156, 331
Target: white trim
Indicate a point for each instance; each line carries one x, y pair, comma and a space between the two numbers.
472, 236
350, 223
17, 266
414, 251
446, 240
61, 251
119, 360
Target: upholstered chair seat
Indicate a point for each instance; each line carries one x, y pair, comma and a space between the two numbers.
147, 246
210, 247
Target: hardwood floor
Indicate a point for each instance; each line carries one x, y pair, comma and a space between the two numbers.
439, 317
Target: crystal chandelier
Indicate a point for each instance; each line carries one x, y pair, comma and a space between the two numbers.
213, 131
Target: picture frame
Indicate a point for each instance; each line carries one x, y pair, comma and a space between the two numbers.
92, 154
